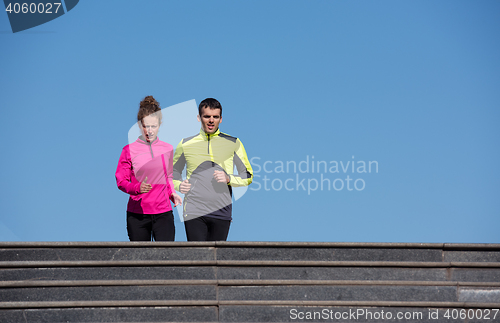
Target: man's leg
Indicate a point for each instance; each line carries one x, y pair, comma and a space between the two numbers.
196, 229
218, 229
139, 227
163, 226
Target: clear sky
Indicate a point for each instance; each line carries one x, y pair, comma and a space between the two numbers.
410, 88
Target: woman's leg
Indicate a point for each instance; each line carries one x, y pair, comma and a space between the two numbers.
163, 226
139, 227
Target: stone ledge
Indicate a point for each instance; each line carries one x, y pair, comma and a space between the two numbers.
80, 304
237, 282
251, 263
112, 304
222, 244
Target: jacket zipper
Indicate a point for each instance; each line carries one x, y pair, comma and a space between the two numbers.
151, 149
208, 147
208, 137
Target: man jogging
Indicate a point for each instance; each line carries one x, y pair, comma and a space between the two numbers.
209, 157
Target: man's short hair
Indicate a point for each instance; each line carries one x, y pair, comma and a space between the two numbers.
209, 103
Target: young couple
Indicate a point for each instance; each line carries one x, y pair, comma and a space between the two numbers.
150, 172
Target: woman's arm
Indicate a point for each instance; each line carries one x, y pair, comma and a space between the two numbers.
124, 174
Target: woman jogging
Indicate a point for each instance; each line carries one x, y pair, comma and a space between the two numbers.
145, 172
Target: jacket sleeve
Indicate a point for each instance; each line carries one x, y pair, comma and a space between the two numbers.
245, 172
124, 174
178, 165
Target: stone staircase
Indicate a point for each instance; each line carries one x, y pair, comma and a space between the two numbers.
248, 282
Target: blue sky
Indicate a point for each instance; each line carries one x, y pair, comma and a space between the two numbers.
410, 85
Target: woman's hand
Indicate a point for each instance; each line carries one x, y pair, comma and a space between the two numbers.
145, 187
176, 199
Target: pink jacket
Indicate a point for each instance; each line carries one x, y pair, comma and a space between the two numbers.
139, 160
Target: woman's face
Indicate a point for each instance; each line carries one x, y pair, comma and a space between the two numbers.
150, 127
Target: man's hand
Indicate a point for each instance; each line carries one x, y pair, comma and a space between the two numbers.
184, 187
145, 187
221, 177
176, 199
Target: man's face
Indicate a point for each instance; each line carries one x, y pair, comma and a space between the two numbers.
150, 127
210, 119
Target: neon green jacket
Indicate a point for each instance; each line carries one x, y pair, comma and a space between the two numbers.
202, 154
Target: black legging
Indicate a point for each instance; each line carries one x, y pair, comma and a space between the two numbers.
205, 228
147, 227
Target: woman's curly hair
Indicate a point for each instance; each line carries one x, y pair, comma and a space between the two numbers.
149, 106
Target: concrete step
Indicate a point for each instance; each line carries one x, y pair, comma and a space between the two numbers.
428, 312
477, 272
108, 293
108, 273
362, 271
227, 251
425, 312
415, 292
107, 254
209, 290
243, 281
113, 314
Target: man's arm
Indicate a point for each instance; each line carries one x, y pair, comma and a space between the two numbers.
245, 172
179, 163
